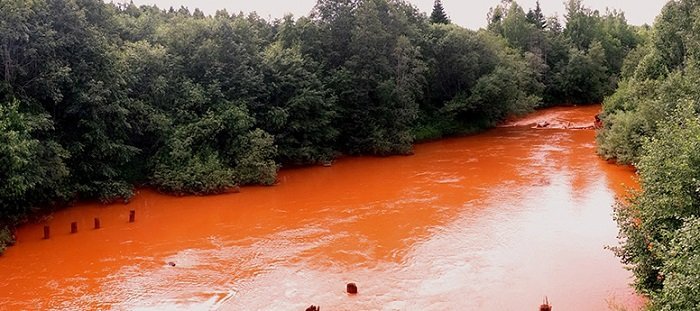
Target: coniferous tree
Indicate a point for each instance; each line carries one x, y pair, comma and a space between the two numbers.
439, 16
536, 17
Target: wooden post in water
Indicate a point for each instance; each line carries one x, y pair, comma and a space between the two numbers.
97, 223
351, 288
47, 232
74, 227
132, 216
545, 305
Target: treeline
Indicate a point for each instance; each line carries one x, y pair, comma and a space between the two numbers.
577, 64
652, 121
97, 98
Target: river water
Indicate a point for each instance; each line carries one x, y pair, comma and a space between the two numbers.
495, 221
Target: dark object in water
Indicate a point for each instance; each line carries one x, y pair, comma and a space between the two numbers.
74, 227
170, 263
598, 122
352, 288
313, 308
545, 305
97, 223
543, 124
47, 232
132, 216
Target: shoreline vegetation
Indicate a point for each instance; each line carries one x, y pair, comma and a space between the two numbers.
99, 98
651, 121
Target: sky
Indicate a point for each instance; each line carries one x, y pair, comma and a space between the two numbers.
467, 13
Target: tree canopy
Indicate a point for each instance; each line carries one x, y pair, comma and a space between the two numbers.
438, 16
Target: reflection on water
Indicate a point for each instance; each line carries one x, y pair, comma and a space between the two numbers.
494, 221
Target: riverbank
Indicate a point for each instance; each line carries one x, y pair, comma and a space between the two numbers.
7, 231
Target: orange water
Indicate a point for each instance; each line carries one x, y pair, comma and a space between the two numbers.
494, 221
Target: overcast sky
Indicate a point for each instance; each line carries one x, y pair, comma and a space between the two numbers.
468, 13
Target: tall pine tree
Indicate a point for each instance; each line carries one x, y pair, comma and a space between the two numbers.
536, 17
439, 16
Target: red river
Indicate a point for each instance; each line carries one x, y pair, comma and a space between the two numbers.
495, 221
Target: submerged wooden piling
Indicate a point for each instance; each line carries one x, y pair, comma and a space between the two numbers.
47, 232
351, 288
132, 216
545, 305
97, 223
74, 227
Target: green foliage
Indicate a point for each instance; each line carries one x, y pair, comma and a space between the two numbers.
6, 238
189, 163
474, 81
257, 165
536, 17
506, 90
378, 82
515, 27
652, 121
580, 63
584, 78
632, 113
438, 16
669, 196
681, 271
200, 173
31, 170
300, 109
220, 149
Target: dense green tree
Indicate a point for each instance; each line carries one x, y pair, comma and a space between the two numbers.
458, 59
221, 148
32, 170
300, 110
632, 114
336, 20
584, 79
668, 198
682, 270
515, 26
507, 89
375, 119
536, 17
438, 16
569, 53
673, 33
581, 24
652, 122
